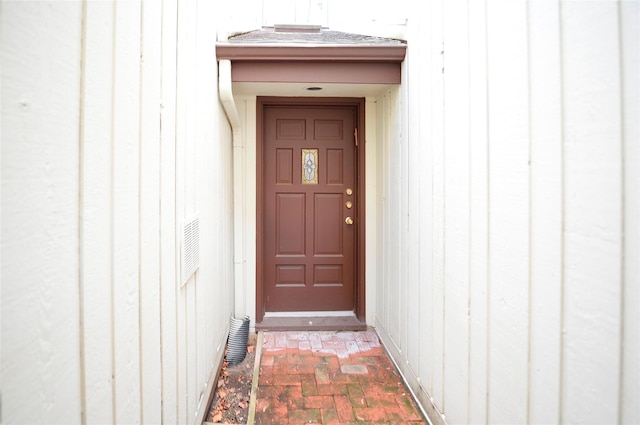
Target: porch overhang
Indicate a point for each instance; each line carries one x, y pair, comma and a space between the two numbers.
320, 57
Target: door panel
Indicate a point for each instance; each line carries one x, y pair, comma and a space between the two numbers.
328, 225
335, 166
308, 248
284, 166
290, 224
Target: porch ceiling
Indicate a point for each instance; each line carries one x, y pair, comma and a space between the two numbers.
300, 89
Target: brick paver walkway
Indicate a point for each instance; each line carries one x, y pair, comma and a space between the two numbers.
330, 378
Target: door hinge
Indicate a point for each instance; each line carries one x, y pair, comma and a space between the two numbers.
355, 136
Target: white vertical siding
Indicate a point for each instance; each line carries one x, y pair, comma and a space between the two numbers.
546, 212
592, 163
170, 263
423, 215
40, 179
96, 252
183, 208
412, 250
436, 133
125, 212
112, 134
508, 155
629, 15
506, 227
395, 221
479, 214
150, 327
527, 272
456, 180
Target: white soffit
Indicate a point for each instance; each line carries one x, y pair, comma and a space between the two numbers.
300, 89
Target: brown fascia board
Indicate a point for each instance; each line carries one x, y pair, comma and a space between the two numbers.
284, 52
317, 71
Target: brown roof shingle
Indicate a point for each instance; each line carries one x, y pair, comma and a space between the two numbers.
298, 35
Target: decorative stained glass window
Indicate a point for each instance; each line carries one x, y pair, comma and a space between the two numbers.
309, 166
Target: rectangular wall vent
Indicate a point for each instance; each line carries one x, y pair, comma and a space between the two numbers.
190, 247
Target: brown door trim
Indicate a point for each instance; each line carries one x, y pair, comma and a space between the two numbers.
358, 104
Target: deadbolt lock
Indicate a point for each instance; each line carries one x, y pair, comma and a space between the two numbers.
349, 192
349, 204
348, 220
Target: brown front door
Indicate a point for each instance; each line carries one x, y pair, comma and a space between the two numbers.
309, 184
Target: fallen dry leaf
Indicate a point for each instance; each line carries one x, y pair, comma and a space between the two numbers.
233, 390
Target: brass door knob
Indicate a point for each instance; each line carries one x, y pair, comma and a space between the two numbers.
348, 220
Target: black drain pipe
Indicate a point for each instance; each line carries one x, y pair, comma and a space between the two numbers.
237, 342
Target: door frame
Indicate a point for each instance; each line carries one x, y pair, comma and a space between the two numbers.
358, 105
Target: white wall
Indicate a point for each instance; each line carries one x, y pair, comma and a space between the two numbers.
508, 212
371, 17
111, 135
505, 194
